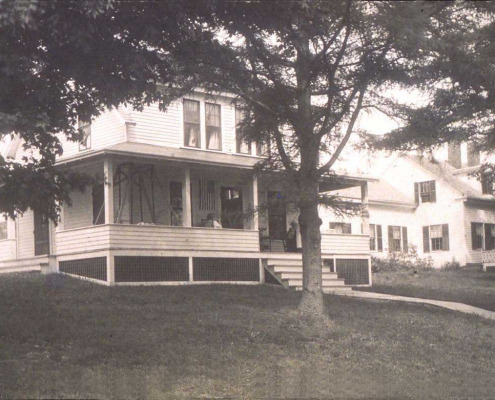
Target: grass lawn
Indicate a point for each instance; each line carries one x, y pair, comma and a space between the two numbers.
65, 338
467, 285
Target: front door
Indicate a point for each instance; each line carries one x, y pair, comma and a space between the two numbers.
232, 215
277, 216
41, 235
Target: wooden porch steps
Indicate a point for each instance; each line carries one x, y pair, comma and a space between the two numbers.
288, 271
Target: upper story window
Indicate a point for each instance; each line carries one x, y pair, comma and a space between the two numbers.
486, 184
397, 239
340, 227
213, 127
425, 191
435, 237
241, 145
192, 136
85, 127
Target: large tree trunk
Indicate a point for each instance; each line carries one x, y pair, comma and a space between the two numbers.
310, 222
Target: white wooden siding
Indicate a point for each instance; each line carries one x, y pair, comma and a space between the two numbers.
145, 237
106, 130
25, 235
157, 127
166, 128
7, 249
82, 240
80, 213
332, 243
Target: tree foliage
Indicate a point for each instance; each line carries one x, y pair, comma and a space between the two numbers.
303, 71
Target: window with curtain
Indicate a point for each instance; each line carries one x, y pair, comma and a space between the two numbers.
372, 237
192, 137
395, 239
213, 127
477, 235
85, 127
340, 227
436, 237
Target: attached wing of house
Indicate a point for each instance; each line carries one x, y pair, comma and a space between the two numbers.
431, 208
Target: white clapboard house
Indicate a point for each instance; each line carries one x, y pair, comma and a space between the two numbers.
171, 205
433, 203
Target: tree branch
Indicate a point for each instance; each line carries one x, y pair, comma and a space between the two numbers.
347, 135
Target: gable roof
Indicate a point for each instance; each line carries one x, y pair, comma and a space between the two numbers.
447, 173
379, 192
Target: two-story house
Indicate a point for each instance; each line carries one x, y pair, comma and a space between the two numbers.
176, 200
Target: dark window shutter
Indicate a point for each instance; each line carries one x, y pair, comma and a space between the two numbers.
404, 239
379, 238
390, 239
489, 245
346, 228
416, 192
474, 237
445, 237
426, 239
433, 192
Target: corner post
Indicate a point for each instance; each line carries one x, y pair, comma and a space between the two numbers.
108, 190
255, 204
186, 198
365, 215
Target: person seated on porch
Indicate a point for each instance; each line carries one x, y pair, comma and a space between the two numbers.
291, 238
212, 222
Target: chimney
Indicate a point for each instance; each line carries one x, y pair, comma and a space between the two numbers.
454, 154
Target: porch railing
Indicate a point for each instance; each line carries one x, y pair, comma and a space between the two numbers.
155, 237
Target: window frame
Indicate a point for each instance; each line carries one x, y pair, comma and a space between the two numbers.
207, 127
436, 244
85, 142
187, 123
399, 248
426, 196
345, 226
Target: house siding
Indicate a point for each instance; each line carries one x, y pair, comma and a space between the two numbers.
156, 127
25, 235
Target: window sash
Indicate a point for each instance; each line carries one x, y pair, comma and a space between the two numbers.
213, 127
436, 231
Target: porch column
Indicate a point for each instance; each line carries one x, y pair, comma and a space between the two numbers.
108, 190
186, 198
255, 204
365, 215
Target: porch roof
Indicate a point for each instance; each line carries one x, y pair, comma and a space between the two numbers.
189, 155
208, 157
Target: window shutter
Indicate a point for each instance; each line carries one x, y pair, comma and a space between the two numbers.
433, 192
390, 239
404, 239
445, 237
488, 237
426, 239
474, 236
379, 238
416, 192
